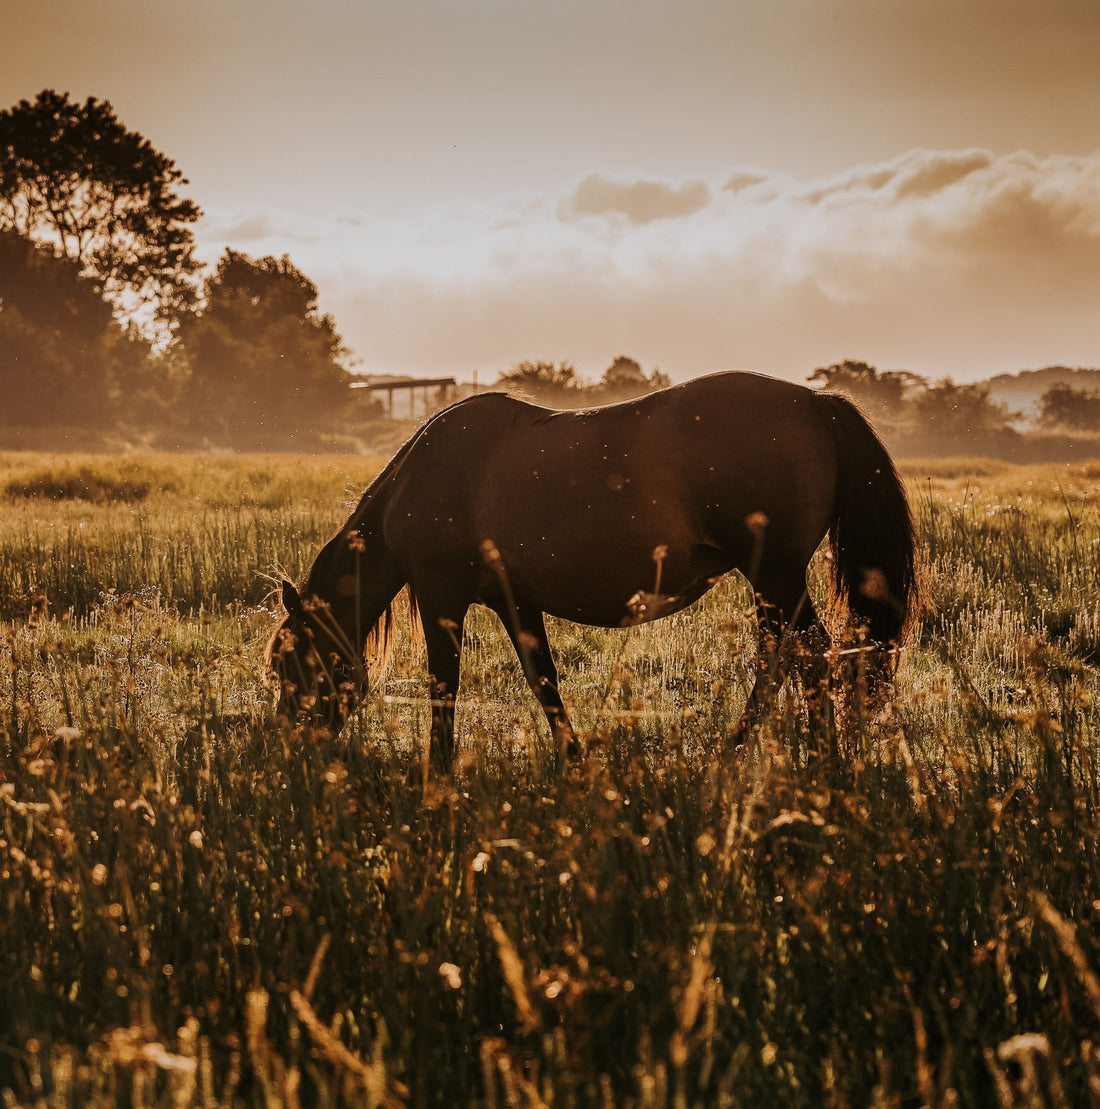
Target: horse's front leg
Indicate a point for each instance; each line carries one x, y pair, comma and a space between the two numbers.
443, 639
526, 628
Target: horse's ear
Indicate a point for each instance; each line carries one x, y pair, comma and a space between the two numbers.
291, 601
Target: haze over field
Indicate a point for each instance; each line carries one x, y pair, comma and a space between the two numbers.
700, 185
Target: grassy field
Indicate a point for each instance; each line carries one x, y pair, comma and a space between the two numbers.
198, 907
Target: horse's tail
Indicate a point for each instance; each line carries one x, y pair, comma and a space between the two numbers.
871, 531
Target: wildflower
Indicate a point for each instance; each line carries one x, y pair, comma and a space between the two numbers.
874, 585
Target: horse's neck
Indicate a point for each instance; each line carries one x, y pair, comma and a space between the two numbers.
355, 573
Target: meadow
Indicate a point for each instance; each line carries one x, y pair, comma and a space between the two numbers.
200, 906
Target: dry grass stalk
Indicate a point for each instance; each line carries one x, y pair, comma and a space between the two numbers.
1065, 935
694, 993
514, 975
315, 966
372, 1075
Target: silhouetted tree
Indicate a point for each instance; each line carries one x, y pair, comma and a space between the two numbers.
63, 357
556, 385
625, 378
561, 387
952, 411
73, 177
881, 394
262, 357
1063, 406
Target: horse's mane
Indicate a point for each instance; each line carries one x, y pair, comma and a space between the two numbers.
398, 458
378, 643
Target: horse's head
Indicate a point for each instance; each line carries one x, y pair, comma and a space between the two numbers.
318, 671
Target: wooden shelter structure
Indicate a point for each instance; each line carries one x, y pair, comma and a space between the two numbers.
433, 393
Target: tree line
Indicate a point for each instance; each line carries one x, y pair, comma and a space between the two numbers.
108, 320
560, 386
906, 404
914, 413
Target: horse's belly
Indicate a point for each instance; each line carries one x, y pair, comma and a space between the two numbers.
619, 588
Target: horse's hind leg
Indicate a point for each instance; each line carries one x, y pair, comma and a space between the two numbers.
792, 637
810, 648
526, 628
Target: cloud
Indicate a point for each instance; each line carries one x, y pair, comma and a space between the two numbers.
266, 230
746, 179
943, 262
916, 173
1027, 225
922, 173
250, 229
640, 202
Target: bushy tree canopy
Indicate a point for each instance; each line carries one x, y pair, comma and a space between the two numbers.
625, 378
880, 393
73, 177
63, 358
262, 358
1063, 406
552, 384
560, 386
955, 411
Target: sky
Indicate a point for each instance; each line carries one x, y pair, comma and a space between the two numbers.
698, 184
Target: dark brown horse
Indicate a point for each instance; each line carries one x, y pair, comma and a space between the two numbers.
607, 516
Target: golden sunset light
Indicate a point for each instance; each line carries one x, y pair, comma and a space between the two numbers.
549, 554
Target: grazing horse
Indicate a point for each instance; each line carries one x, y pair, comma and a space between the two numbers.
608, 516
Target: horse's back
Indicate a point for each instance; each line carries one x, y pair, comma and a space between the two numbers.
732, 432
591, 494
752, 408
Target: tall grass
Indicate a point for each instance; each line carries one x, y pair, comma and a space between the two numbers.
198, 906
193, 531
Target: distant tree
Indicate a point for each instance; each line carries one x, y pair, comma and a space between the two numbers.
63, 357
948, 410
556, 385
881, 394
1063, 406
73, 177
261, 356
625, 378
